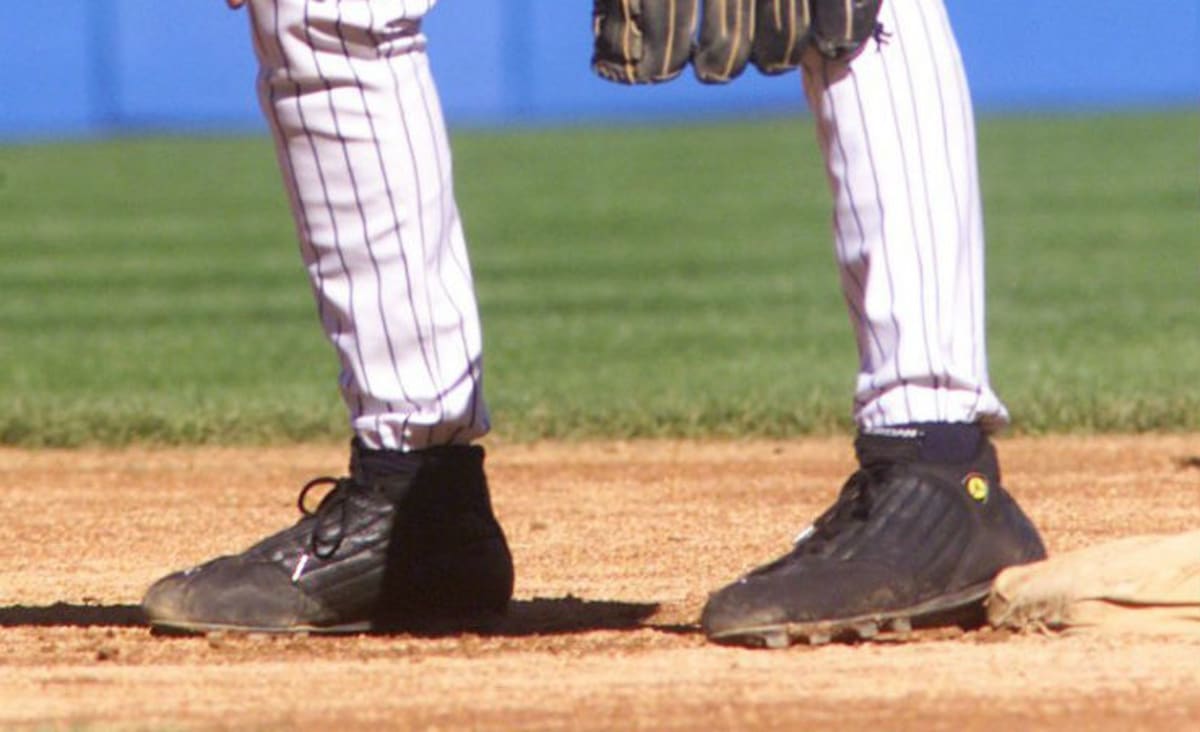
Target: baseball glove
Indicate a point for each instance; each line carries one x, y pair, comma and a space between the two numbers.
781, 34
773, 34
649, 41
726, 38
840, 28
642, 41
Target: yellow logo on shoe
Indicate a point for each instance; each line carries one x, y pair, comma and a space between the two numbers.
977, 487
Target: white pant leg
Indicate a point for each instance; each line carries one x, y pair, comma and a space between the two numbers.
897, 131
362, 145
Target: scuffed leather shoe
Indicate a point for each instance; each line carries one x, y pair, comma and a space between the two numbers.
408, 541
909, 541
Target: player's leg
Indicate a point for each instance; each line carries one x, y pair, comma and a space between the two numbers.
920, 530
897, 132
365, 158
409, 536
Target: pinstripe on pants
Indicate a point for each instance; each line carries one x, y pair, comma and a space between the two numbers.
362, 145
897, 131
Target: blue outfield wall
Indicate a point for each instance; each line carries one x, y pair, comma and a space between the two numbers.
87, 67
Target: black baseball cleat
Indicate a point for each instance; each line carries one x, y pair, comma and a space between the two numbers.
407, 542
915, 539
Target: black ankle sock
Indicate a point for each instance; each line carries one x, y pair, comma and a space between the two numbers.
942, 442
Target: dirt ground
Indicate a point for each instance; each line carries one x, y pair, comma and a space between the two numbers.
616, 544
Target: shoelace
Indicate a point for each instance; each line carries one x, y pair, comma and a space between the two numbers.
327, 531
853, 506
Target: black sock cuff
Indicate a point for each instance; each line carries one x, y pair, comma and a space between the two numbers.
942, 442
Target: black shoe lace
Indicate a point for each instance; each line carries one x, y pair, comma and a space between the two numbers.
329, 517
852, 508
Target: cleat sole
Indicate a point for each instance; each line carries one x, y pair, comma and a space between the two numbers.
484, 622
901, 625
777, 639
952, 609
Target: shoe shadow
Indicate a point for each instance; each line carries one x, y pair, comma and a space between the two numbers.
68, 614
566, 615
536, 616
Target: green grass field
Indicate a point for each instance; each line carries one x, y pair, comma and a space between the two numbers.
633, 281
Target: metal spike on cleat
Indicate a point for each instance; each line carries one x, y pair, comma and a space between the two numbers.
775, 639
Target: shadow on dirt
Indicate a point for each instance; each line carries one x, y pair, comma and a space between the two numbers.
536, 616
1187, 462
561, 615
63, 613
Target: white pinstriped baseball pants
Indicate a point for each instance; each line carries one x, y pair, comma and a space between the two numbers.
361, 142
897, 131
346, 88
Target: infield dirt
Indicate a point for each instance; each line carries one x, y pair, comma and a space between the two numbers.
616, 545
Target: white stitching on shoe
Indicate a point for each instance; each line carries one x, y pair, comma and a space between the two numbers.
804, 534
299, 568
